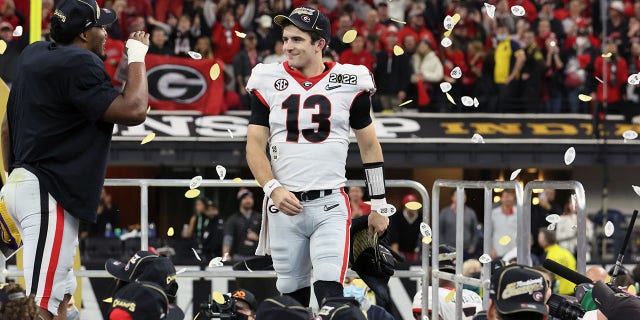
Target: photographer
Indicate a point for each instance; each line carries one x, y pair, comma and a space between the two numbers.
237, 305
614, 305
246, 303
518, 292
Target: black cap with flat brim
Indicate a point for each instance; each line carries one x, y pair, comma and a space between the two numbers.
72, 17
307, 19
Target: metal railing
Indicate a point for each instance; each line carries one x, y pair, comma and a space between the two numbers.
458, 278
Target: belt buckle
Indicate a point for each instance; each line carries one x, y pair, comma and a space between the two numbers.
303, 196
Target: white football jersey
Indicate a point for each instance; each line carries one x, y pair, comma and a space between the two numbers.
471, 303
309, 121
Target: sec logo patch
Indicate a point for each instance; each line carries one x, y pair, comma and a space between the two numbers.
281, 84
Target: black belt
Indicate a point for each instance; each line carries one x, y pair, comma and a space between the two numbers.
312, 194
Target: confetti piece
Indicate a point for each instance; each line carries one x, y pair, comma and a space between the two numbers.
221, 171
413, 205
584, 97
632, 289
108, 300
218, 297
426, 240
190, 194
449, 297
194, 55
170, 232
445, 87
599, 80
456, 18
181, 271
387, 210
3, 46
425, 229
476, 103
517, 11
17, 32
629, 134
467, 101
196, 254
569, 156
636, 189
553, 218
397, 50
607, 55
447, 33
504, 241
148, 109
230, 133
195, 182
448, 23
456, 73
236, 180
349, 36
214, 72
148, 138
634, 79
398, 21
477, 138
551, 227
216, 262
240, 34
485, 258
226, 256
491, 10
608, 229
515, 174
405, 103
446, 42
450, 98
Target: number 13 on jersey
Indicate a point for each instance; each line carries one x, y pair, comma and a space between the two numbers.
321, 103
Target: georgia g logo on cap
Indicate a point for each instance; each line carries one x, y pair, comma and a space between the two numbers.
305, 18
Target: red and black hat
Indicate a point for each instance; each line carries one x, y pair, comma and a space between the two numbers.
308, 19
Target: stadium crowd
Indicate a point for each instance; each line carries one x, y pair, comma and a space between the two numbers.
538, 62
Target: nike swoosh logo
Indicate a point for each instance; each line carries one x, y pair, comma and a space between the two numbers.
328, 87
318, 28
327, 208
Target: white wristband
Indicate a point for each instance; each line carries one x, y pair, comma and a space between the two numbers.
382, 207
136, 51
270, 186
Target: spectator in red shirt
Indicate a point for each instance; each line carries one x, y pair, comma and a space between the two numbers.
530, 9
113, 55
11, 15
163, 7
616, 75
358, 207
357, 55
415, 27
225, 42
134, 10
372, 24
344, 24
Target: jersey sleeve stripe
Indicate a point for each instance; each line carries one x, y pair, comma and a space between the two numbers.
347, 240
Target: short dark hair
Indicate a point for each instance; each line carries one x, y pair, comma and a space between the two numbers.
314, 35
521, 316
549, 235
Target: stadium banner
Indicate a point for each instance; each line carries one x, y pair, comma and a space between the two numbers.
177, 83
399, 128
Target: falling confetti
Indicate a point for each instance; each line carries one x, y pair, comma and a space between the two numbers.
426, 240
214, 72
194, 55
505, 240
450, 296
608, 229
148, 109
607, 55
448, 23
629, 134
236, 180
450, 98
17, 32
636, 189
240, 34
491, 10
196, 254
517, 11
569, 156
349, 36
397, 50
467, 101
230, 133
445, 87
456, 18
425, 229
584, 97
218, 297
456, 73
413, 205
599, 80
181, 271
221, 171
195, 182
148, 138
405, 103
632, 289
170, 232
108, 300
447, 33
192, 193
446, 42
553, 218
515, 174
226, 256
634, 79
485, 258
3, 46
476, 103
551, 227
398, 21
387, 210
216, 262
477, 138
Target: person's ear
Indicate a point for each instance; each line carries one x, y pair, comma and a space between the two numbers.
83, 36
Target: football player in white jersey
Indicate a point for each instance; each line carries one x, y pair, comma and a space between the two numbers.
303, 110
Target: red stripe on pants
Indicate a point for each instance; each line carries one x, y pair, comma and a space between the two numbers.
345, 258
55, 255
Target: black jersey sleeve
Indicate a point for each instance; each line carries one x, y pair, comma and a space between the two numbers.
259, 111
90, 90
360, 114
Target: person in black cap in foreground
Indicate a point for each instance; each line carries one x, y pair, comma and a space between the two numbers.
246, 303
614, 305
287, 308
144, 285
518, 293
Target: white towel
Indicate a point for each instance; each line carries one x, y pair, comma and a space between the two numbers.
264, 248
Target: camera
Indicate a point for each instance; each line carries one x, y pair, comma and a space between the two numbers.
564, 309
223, 311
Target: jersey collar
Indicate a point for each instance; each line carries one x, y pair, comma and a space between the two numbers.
304, 82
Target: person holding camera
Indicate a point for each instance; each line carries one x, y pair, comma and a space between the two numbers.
518, 292
246, 304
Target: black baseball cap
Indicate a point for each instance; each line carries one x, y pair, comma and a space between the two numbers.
141, 300
283, 308
614, 305
341, 308
145, 266
516, 288
308, 19
72, 17
246, 296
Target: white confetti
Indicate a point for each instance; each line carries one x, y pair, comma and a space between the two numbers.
221, 171
387, 210
181, 270
485, 258
551, 227
216, 262
491, 10
608, 229
629, 134
569, 156
445, 87
448, 23
553, 218
446, 42
599, 80
476, 103
225, 257
456, 73
195, 182
477, 138
636, 189
230, 133
425, 229
196, 254
17, 32
517, 11
515, 174
467, 101
634, 79
194, 55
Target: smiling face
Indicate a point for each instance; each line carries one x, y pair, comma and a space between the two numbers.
299, 48
96, 39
